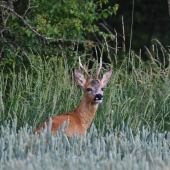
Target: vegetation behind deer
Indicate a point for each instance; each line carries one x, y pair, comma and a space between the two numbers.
127, 130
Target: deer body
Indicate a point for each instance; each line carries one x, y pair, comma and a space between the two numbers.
81, 118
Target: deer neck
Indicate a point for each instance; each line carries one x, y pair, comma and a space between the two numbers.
85, 112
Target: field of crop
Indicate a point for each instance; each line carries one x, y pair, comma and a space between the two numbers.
128, 131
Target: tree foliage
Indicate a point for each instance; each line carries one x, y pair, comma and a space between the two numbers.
47, 28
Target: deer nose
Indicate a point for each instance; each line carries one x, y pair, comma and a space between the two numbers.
98, 97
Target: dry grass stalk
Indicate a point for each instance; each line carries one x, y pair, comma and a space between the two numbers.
150, 55
162, 47
116, 40
123, 43
153, 49
107, 47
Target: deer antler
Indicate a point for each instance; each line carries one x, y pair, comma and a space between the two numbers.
83, 67
98, 71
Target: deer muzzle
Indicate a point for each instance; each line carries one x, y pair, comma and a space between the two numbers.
98, 98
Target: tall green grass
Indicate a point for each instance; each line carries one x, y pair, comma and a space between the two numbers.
137, 97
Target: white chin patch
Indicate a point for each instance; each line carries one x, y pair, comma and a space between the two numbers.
98, 101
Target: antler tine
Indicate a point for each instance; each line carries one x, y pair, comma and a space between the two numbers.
100, 66
83, 67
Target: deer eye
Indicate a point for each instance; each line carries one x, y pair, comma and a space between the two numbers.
102, 89
89, 89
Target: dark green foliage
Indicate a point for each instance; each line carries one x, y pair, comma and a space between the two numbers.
46, 28
151, 20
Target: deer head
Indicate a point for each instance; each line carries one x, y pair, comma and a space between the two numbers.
81, 117
93, 87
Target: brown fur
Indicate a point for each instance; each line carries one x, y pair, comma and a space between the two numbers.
80, 118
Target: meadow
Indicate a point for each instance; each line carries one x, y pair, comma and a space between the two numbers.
129, 131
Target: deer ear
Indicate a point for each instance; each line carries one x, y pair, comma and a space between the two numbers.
106, 77
79, 77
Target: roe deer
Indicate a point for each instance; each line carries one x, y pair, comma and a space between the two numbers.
81, 118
